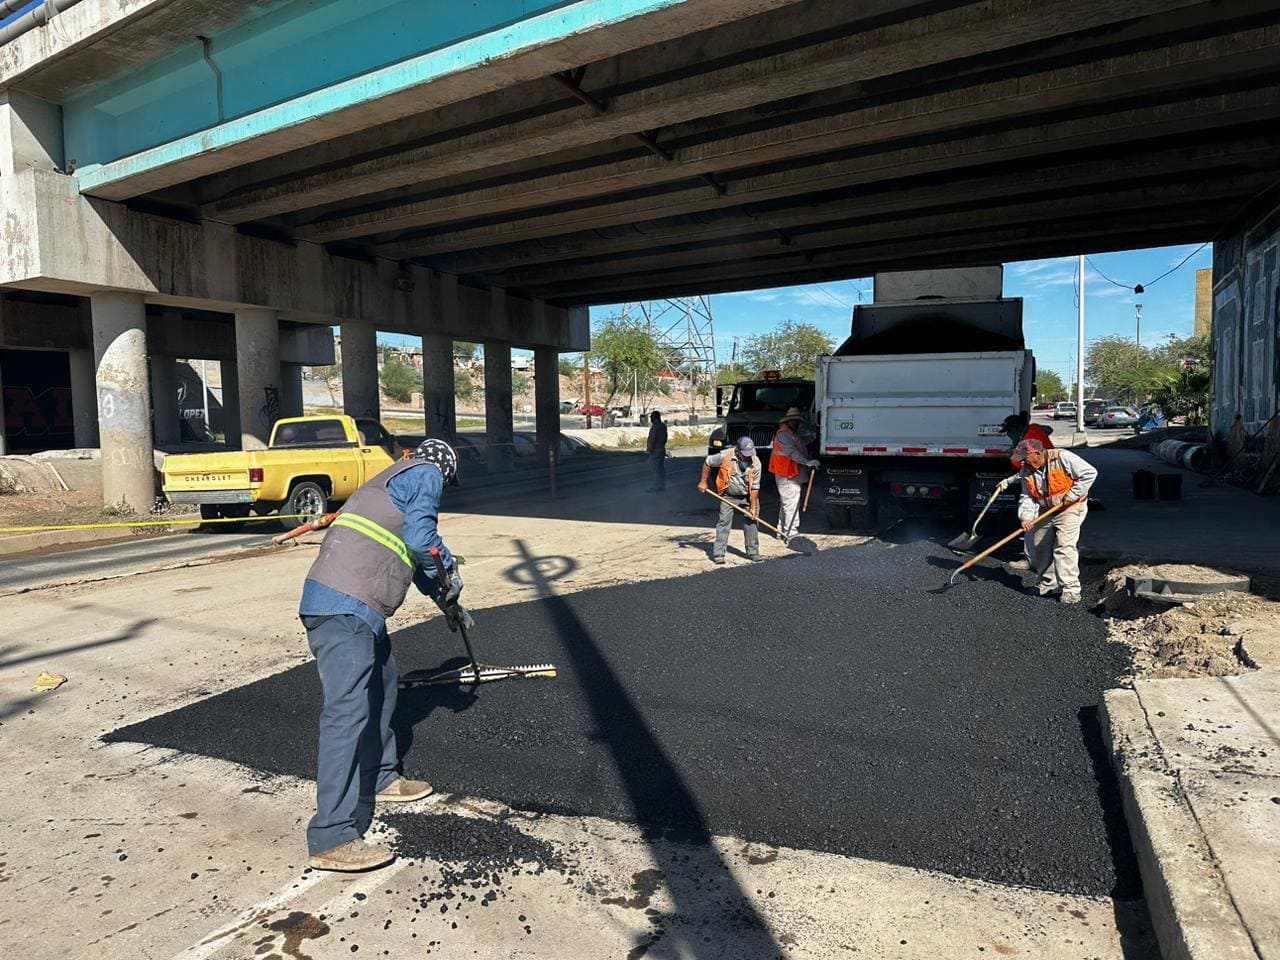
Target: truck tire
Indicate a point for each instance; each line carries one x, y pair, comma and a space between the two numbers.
305, 498
209, 511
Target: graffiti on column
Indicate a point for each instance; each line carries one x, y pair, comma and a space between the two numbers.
269, 413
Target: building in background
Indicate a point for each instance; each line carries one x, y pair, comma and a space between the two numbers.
1204, 302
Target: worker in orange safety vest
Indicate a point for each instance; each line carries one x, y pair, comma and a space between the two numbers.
787, 464
738, 481
1051, 478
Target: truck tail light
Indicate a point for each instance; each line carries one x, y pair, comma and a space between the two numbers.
937, 491
899, 490
255, 474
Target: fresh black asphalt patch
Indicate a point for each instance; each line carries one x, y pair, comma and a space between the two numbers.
838, 702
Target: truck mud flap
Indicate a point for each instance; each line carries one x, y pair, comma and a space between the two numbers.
844, 486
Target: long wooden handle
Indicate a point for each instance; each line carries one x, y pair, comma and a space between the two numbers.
745, 513
813, 472
319, 523
993, 548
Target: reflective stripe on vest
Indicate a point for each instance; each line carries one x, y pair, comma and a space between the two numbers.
1059, 481
374, 532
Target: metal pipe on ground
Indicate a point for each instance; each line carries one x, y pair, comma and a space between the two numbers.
35, 17
1192, 456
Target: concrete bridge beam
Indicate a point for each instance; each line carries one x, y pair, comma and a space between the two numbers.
292, 403
546, 399
360, 394
164, 402
84, 402
439, 405
258, 364
499, 427
123, 388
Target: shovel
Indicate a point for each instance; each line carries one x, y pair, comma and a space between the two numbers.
964, 543
996, 546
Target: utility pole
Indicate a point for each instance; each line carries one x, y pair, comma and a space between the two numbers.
586, 387
1080, 351
1137, 333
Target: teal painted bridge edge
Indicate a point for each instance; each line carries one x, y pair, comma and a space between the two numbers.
527, 34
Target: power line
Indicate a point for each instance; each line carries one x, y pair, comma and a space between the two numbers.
1141, 287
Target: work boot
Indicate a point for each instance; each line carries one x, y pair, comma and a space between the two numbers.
1069, 598
718, 561
352, 857
404, 791
754, 557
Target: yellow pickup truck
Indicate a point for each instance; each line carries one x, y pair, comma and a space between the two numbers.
310, 464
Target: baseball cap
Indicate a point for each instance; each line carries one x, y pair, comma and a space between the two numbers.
746, 448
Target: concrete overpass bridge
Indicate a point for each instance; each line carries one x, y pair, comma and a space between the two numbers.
486, 170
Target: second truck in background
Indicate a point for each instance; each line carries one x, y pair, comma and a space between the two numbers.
910, 406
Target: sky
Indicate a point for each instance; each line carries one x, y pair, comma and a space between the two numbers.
1047, 287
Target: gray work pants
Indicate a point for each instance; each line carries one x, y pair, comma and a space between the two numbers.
789, 513
357, 755
1056, 557
750, 531
658, 464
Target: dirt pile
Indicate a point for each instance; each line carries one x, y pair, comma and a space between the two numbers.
1200, 639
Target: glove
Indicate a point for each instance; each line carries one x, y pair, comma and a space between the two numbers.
454, 589
455, 614
812, 463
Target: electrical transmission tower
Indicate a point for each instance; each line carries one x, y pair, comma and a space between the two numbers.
684, 333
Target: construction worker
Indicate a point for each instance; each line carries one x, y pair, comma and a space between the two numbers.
789, 457
1051, 478
738, 481
1018, 427
656, 448
379, 544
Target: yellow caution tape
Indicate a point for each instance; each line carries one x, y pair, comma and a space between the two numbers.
155, 523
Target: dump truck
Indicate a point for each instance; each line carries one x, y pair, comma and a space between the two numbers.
910, 406
310, 464
754, 408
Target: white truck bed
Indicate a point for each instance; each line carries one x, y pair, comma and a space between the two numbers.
921, 404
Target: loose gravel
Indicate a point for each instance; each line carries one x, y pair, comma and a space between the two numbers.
841, 702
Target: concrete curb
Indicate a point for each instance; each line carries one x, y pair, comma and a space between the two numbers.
1191, 909
17, 543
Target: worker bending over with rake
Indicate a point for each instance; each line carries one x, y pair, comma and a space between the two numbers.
737, 483
379, 544
786, 463
1050, 479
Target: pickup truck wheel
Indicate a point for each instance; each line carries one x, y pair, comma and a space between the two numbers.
306, 498
209, 511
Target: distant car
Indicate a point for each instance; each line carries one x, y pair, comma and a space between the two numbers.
566, 406
1066, 410
1049, 405
1118, 417
593, 410
1094, 409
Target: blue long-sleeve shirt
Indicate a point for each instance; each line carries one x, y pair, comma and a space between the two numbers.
416, 494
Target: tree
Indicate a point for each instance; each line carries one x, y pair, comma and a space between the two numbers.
1121, 370
464, 351
463, 388
793, 348
1185, 392
330, 376
731, 373
1049, 387
399, 379
626, 354
569, 367
519, 384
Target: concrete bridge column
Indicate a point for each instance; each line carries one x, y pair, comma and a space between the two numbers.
440, 407
291, 399
4, 448
258, 363
164, 402
360, 370
124, 389
546, 398
498, 428
84, 406
230, 377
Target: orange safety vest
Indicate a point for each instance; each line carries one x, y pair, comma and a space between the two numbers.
781, 464
726, 472
1059, 482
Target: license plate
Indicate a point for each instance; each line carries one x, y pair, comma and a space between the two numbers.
990, 430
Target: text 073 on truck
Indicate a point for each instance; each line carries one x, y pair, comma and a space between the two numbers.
910, 406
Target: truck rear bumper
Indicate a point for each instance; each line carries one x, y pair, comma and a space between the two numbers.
209, 496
